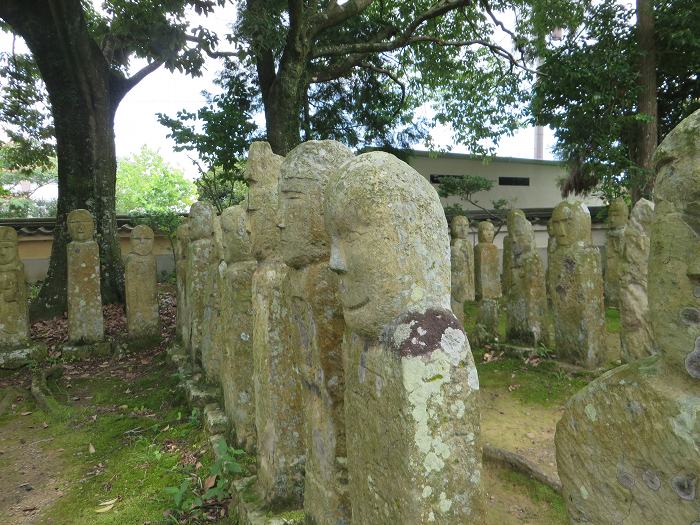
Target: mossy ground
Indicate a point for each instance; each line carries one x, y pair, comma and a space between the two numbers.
121, 431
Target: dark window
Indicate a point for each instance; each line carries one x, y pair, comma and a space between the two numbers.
437, 179
513, 181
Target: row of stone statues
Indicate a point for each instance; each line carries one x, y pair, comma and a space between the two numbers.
84, 308
572, 283
341, 364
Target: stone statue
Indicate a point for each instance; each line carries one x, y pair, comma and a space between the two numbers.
14, 306
507, 267
235, 327
278, 407
577, 287
462, 258
140, 275
526, 299
635, 324
488, 282
617, 220
181, 249
200, 257
317, 325
627, 445
85, 324
211, 354
414, 453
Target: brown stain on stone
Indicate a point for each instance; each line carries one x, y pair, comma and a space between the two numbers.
426, 331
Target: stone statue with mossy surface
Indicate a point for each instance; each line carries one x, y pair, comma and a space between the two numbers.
488, 283
140, 275
627, 445
16, 349
462, 260
182, 329
411, 394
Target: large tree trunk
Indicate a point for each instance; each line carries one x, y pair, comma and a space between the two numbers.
283, 118
648, 130
82, 94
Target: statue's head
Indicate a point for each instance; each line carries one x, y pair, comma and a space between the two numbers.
618, 213
389, 241
571, 223
142, 240
201, 222
459, 227
674, 261
643, 213
303, 179
262, 174
486, 232
81, 226
182, 237
8, 245
235, 237
522, 236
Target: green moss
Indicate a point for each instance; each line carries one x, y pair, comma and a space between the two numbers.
538, 493
292, 517
612, 320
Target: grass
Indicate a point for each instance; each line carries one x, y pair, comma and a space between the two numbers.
123, 439
612, 320
537, 492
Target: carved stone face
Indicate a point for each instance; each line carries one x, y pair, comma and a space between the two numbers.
201, 222
674, 261
486, 232
618, 213
571, 223
235, 237
303, 179
460, 227
522, 237
183, 238
389, 241
8, 245
81, 226
142, 240
262, 175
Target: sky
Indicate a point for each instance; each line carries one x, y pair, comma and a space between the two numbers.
167, 92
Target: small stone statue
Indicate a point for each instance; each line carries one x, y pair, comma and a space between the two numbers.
526, 299
462, 258
85, 323
618, 212
140, 274
635, 324
627, 444
488, 282
181, 249
411, 390
577, 287
14, 307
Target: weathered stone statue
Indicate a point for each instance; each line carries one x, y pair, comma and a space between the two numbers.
577, 287
181, 248
635, 324
507, 267
617, 220
551, 248
211, 354
278, 408
14, 306
488, 281
235, 327
200, 257
462, 258
85, 324
526, 299
414, 454
317, 325
140, 275
627, 445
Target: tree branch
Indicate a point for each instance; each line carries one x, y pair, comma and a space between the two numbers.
205, 47
336, 14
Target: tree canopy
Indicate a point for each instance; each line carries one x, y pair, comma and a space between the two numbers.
588, 91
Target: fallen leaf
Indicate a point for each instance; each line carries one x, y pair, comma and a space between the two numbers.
107, 508
45, 424
511, 388
198, 466
110, 502
209, 482
25, 413
91, 449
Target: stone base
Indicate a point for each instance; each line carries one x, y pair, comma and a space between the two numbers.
13, 358
627, 448
246, 505
71, 352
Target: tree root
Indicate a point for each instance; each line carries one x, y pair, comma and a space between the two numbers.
520, 464
40, 390
8, 398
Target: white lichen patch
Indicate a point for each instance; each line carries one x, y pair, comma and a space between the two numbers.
591, 412
427, 491
452, 343
445, 504
685, 423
